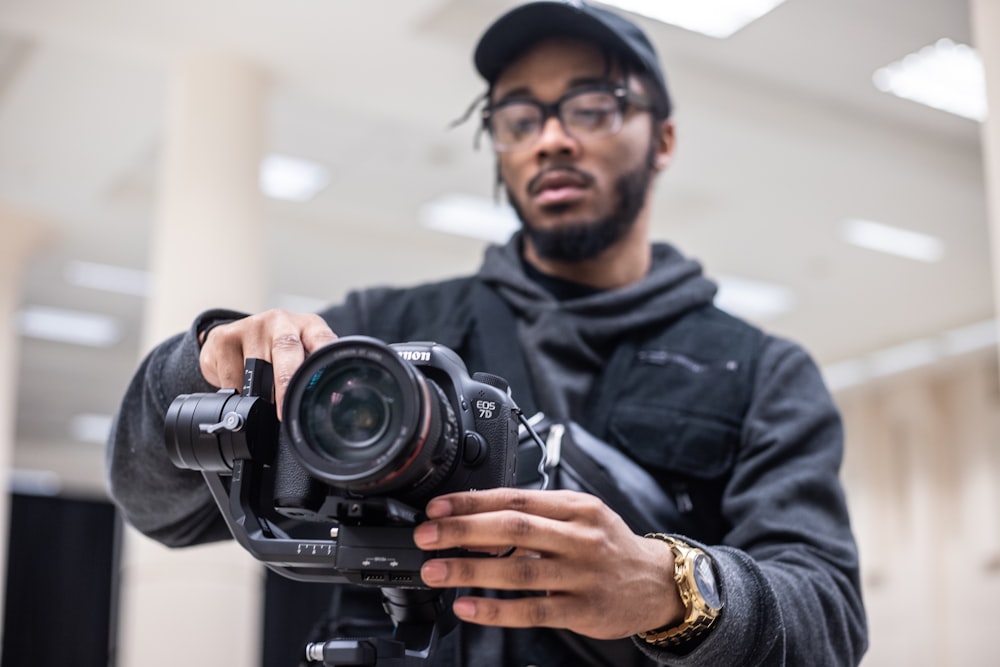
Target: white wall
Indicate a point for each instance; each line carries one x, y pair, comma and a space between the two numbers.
922, 472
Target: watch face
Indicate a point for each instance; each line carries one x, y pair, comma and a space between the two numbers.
705, 579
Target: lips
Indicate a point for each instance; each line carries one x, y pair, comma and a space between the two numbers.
558, 186
555, 179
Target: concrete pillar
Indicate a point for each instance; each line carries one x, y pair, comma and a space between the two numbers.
872, 479
202, 605
207, 246
916, 429
966, 403
20, 234
986, 35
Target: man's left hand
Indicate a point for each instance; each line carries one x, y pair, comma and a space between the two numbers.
599, 578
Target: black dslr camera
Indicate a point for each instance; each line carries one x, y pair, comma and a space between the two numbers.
370, 432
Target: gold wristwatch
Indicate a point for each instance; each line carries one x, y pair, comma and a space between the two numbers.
699, 592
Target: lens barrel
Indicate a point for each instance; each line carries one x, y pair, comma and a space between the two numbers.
361, 418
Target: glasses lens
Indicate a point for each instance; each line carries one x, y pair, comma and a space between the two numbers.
592, 113
515, 124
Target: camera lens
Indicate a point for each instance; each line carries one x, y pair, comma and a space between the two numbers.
349, 410
359, 415
361, 418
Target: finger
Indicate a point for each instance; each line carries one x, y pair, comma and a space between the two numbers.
517, 573
570, 611
287, 354
559, 505
552, 611
221, 357
316, 333
497, 529
291, 349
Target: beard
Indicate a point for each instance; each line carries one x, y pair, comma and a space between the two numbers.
582, 240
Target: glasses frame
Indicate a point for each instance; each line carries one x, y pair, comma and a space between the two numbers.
624, 97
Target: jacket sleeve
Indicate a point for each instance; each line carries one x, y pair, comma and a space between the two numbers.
788, 568
171, 505
166, 503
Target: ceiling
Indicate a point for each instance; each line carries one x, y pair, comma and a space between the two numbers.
781, 136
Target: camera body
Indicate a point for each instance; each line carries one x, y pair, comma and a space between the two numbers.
403, 420
369, 433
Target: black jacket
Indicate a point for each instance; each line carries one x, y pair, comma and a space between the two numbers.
736, 426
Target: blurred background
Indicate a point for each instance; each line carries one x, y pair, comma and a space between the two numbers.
158, 158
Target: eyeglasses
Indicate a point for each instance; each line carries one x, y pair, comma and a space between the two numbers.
584, 114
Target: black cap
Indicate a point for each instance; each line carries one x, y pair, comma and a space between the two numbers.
526, 24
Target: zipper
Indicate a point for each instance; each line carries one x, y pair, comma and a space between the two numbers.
665, 357
682, 498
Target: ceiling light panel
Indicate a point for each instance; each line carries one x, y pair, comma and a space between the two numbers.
467, 215
89, 427
943, 75
892, 240
291, 178
297, 303
68, 326
108, 278
715, 18
911, 355
753, 299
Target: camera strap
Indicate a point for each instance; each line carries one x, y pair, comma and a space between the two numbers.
500, 345
585, 463
576, 468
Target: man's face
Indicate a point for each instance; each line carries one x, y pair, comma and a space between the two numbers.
575, 196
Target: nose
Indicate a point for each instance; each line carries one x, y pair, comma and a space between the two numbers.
555, 140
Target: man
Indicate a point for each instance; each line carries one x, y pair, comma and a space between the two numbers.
752, 561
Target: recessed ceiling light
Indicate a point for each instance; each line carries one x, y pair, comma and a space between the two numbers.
107, 278
892, 240
715, 18
467, 215
753, 299
944, 75
68, 326
291, 178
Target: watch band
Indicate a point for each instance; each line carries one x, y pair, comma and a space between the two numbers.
699, 613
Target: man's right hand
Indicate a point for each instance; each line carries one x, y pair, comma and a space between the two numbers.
277, 336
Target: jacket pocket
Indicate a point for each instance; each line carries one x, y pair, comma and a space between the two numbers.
676, 441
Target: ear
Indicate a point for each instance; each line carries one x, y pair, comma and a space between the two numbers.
665, 141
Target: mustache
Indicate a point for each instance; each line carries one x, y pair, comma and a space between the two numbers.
535, 184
